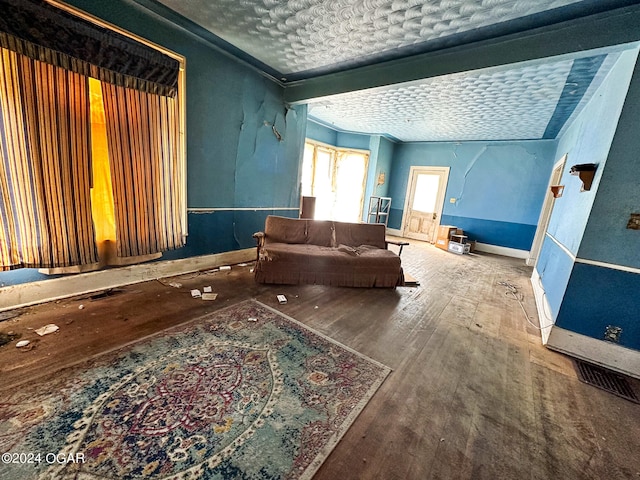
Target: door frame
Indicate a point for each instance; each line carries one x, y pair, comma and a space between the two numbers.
442, 190
545, 213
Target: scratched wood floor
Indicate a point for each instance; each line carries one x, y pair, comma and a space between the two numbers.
473, 394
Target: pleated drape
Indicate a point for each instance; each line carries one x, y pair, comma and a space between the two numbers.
142, 135
45, 165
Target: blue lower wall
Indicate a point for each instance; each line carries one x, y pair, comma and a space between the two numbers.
493, 232
597, 297
503, 234
204, 238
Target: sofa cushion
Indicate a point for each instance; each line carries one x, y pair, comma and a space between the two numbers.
345, 266
356, 234
284, 230
298, 230
314, 256
320, 232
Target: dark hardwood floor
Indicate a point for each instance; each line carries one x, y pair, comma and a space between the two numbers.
473, 393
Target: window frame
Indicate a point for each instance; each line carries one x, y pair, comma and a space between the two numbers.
335, 154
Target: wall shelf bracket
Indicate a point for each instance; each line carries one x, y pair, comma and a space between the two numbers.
585, 172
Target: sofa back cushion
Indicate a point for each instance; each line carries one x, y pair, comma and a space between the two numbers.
356, 234
320, 232
298, 230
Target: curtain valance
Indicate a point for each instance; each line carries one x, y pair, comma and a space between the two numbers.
43, 32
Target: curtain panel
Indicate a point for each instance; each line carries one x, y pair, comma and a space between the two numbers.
43, 32
44, 166
142, 137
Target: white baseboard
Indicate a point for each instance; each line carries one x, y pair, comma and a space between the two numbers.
22, 295
504, 251
545, 317
606, 354
394, 231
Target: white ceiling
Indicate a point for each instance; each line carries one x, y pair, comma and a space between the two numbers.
292, 40
516, 102
293, 36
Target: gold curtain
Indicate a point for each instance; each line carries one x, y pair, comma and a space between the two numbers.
142, 136
45, 166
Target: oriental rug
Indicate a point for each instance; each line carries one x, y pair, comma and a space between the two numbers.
243, 393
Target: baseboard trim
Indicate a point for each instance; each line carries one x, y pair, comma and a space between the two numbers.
606, 354
545, 317
394, 231
26, 294
504, 251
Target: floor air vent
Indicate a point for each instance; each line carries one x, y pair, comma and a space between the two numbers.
606, 380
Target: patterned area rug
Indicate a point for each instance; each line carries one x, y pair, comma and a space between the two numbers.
243, 393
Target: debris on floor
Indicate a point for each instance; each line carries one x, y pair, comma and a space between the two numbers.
207, 289
195, 293
410, 281
175, 285
22, 343
209, 296
105, 293
281, 299
8, 315
47, 329
8, 337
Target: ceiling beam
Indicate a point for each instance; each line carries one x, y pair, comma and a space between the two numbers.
616, 27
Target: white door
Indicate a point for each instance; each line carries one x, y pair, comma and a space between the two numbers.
424, 202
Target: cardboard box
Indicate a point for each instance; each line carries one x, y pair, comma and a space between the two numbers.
444, 232
459, 248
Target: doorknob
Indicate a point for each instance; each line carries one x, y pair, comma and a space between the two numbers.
435, 215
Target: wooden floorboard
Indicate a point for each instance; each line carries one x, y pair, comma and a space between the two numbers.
473, 394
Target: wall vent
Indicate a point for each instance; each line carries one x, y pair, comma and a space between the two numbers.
606, 380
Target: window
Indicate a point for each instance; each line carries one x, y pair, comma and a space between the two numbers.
90, 154
336, 177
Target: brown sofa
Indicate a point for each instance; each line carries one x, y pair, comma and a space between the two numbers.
295, 251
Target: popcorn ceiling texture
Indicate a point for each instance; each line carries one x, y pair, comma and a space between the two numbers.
298, 38
516, 103
298, 35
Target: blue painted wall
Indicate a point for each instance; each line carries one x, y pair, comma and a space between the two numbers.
499, 187
321, 133
619, 192
380, 155
597, 297
380, 161
591, 225
234, 159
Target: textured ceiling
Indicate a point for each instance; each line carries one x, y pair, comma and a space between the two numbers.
517, 102
297, 40
294, 36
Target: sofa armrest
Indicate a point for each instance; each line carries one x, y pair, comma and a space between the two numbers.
259, 236
401, 244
